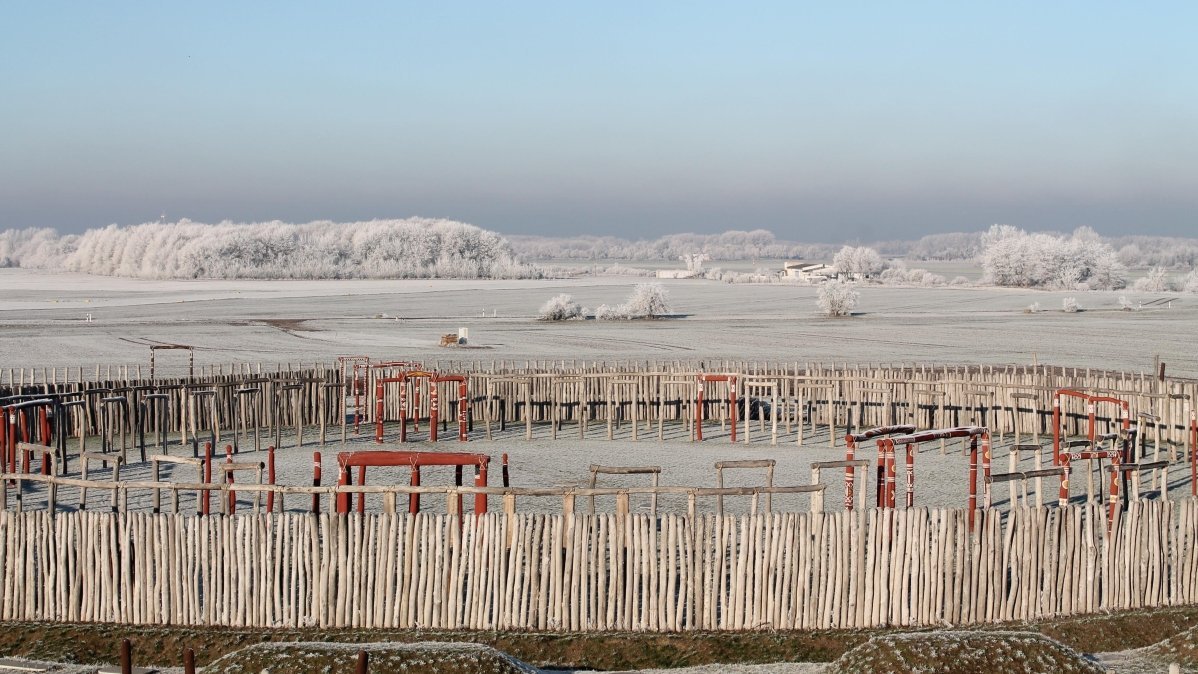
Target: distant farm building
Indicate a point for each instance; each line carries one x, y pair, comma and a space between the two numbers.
675, 273
808, 271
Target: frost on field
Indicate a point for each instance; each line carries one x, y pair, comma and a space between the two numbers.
837, 298
560, 308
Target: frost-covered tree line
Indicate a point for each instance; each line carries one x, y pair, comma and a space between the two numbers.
1081, 261
411, 248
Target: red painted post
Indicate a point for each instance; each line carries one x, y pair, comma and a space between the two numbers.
1091, 421
463, 410
433, 409
732, 402
126, 657
44, 417
189, 661
342, 497
315, 481
986, 470
403, 409
361, 495
891, 476
910, 475
204, 507
1056, 428
24, 438
415, 405
1193, 453
973, 480
1113, 492
229, 480
358, 385
480, 500
9, 420
457, 482
270, 478
378, 412
414, 499
849, 477
1063, 493
504, 472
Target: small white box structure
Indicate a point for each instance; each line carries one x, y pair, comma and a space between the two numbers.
463, 335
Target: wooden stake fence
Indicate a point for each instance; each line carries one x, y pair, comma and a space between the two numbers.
579, 572
1011, 399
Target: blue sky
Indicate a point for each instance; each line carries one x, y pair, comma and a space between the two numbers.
822, 122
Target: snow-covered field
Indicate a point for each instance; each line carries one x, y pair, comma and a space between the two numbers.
42, 322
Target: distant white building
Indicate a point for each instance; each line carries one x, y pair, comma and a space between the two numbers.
808, 271
675, 273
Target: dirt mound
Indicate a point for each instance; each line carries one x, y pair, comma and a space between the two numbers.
963, 653
332, 658
1182, 649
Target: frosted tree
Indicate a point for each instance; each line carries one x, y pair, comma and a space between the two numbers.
606, 312
648, 300
694, 261
858, 260
1190, 282
1155, 281
1012, 257
1070, 306
837, 298
412, 248
560, 308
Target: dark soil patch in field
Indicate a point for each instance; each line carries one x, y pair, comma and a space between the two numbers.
289, 324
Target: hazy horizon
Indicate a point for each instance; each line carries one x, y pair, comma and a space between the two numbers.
819, 123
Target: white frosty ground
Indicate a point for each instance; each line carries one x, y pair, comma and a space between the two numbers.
41, 323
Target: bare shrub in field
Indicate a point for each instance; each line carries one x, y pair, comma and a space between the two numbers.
607, 312
1070, 306
899, 275
1156, 281
560, 308
648, 300
837, 298
1190, 282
